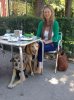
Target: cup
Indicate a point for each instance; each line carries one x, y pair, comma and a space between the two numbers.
35, 37
8, 31
18, 33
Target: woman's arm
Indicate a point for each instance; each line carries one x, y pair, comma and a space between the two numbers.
47, 42
39, 30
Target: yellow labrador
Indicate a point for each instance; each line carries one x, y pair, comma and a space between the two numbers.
32, 51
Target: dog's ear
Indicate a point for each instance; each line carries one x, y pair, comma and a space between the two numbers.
38, 45
12, 60
28, 49
23, 61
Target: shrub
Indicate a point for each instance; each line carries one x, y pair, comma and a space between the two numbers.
30, 23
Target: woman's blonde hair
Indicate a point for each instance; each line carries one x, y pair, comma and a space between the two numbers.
51, 20
52, 12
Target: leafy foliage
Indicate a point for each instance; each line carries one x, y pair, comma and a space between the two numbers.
21, 7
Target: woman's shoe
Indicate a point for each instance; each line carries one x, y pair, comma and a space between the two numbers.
39, 70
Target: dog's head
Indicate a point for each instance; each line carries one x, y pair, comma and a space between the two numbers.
32, 48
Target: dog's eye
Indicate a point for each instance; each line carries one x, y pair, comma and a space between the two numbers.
25, 58
18, 60
12, 60
16, 64
16, 57
32, 46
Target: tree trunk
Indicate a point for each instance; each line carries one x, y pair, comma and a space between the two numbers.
38, 5
68, 4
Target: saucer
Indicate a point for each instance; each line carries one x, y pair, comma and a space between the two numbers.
12, 39
26, 39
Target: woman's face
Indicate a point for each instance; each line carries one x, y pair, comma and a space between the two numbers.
47, 13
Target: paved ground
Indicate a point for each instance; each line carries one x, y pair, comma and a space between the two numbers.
49, 86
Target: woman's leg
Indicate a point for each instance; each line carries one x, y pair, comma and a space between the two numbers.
40, 52
50, 47
47, 47
40, 63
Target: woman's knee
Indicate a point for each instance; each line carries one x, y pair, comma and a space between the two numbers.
40, 46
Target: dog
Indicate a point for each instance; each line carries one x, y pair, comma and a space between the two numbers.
28, 52
16, 71
32, 51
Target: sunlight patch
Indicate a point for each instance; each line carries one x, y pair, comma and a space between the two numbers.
72, 90
72, 74
46, 79
53, 81
72, 86
63, 79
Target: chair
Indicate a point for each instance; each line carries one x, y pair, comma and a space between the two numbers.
57, 50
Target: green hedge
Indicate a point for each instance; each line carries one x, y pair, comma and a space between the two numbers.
67, 28
30, 23
26, 23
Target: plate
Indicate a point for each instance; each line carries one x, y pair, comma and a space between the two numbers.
5, 38
26, 39
28, 35
6, 35
13, 39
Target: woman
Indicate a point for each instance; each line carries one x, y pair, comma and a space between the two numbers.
48, 30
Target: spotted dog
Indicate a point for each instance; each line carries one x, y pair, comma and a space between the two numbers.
16, 71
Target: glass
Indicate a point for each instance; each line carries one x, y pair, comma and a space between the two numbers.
7, 31
34, 37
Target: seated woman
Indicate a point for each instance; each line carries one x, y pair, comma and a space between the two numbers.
48, 30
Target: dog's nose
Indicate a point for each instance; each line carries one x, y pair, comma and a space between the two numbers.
16, 64
34, 51
12, 60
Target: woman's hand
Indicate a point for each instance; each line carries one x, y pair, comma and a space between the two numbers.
47, 42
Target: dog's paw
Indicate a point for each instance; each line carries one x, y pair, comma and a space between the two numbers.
11, 86
26, 76
32, 74
22, 77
